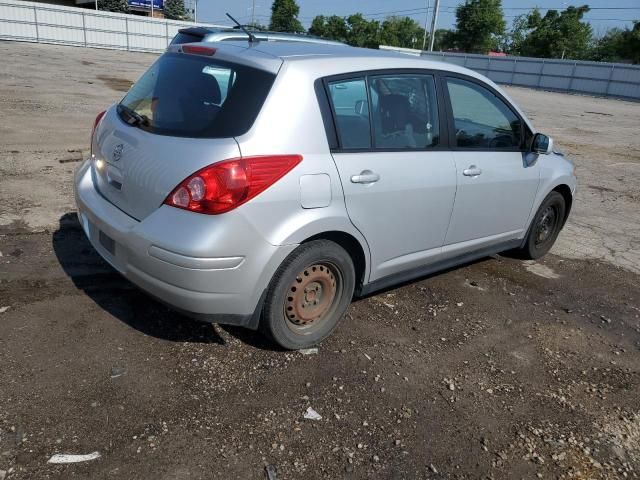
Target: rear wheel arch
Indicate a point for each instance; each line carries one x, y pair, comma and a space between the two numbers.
352, 246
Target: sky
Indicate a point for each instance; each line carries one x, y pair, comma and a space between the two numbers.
605, 14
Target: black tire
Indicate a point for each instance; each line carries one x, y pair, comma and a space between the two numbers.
544, 228
317, 276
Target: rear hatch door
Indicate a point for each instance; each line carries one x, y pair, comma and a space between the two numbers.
181, 116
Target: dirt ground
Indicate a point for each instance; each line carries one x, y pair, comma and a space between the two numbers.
499, 369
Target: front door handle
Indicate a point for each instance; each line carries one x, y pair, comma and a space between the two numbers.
366, 176
472, 171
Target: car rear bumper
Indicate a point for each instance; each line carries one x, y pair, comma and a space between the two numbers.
209, 267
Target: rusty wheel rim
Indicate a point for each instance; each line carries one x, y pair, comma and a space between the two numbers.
311, 297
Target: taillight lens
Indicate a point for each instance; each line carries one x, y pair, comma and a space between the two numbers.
95, 125
199, 50
226, 185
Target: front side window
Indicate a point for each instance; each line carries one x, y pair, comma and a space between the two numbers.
482, 120
404, 111
351, 108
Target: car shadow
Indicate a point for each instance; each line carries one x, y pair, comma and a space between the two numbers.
421, 278
120, 298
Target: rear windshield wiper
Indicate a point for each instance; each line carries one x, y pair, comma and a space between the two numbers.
134, 118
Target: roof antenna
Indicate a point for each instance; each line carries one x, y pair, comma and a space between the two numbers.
252, 37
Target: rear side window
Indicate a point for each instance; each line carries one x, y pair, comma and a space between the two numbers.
398, 112
194, 96
405, 112
351, 107
482, 120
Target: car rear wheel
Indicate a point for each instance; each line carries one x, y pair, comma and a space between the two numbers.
308, 295
545, 227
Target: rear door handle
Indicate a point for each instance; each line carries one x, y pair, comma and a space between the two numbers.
366, 176
472, 171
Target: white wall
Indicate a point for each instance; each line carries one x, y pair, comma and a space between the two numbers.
46, 23
618, 80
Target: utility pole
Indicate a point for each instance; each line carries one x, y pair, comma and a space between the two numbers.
151, 8
434, 22
426, 21
195, 11
253, 13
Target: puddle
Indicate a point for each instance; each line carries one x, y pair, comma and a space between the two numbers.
115, 83
540, 270
600, 189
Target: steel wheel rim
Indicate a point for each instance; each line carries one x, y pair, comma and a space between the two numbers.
312, 297
546, 225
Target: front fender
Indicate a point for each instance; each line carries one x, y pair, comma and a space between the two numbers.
555, 170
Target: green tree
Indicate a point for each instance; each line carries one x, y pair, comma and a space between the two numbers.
284, 17
174, 9
619, 45
631, 44
517, 34
557, 34
363, 32
120, 6
401, 32
609, 47
257, 26
332, 28
445, 39
479, 24
354, 30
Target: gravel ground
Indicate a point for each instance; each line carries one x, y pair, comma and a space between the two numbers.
499, 369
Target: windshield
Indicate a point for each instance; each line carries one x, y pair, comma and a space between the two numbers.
194, 96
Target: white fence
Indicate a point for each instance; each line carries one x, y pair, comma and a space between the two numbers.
46, 23
618, 80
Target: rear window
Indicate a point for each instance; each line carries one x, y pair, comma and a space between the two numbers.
186, 37
193, 96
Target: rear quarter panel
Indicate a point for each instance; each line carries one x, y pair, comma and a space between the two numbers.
290, 123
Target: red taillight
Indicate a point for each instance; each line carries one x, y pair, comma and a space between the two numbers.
95, 125
199, 50
224, 186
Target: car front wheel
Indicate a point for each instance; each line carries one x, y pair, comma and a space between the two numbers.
308, 294
545, 227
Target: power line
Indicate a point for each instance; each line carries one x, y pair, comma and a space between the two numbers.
453, 8
420, 11
550, 8
514, 16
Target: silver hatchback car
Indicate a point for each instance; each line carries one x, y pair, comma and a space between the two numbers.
266, 185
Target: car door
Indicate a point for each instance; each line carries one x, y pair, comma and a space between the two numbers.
398, 179
496, 182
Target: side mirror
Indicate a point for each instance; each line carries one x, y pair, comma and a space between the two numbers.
362, 108
542, 144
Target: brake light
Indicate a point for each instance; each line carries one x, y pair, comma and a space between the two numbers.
95, 125
199, 50
223, 186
